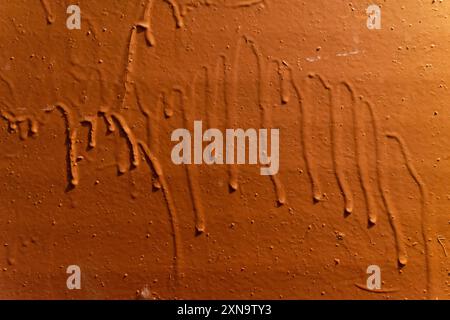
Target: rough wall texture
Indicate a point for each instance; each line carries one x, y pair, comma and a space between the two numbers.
86, 176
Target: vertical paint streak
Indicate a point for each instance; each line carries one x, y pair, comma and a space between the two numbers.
402, 256
424, 202
71, 132
191, 171
152, 125
48, 11
129, 67
213, 91
129, 136
283, 74
10, 118
361, 157
157, 168
231, 106
176, 12
27, 125
92, 122
146, 24
264, 106
337, 131
307, 143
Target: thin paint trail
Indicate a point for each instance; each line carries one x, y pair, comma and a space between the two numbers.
129, 136
307, 143
92, 122
318, 194
71, 132
146, 23
156, 166
361, 157
402, 255
424, 201
336, 129
264, 106
231, 106
48, 11
176, 12
127, 81
192, 171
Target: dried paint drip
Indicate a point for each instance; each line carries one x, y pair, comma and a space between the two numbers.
192, 172
129, 136
402, 256
27, 125
361, 155
264, 106
129, 67
307, 143
146, 23
156, 166
179, 11
116, 122
176, 12
231, 106
424, 200
92, 122
337, 147
284, 73
48, 11
71, 132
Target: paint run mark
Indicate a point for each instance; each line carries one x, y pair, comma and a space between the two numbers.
113, 118
361, 157
146, 23
134, 150
92, 122
337, 134
157, 168
192, 171
214, 90
176, 12
48, 11
27, 125
231, 107
71, 133
265, 110
127, 81
318, 195
307, 142
402, 256
211, 89
108, 119
152, 125
284, 73
424, 199
360, 286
